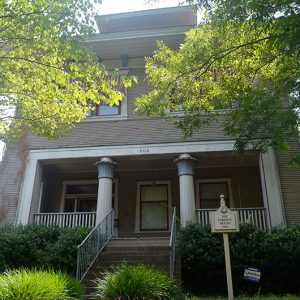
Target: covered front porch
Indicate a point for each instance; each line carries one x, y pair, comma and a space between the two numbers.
143, 189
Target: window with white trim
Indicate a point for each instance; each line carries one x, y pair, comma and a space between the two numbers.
106, 110
208, 192
153, 206
81, 196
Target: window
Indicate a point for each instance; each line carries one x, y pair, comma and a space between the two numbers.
208, 192
81, 196
153, 206
105, 110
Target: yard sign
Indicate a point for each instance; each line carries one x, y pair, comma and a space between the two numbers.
225, 221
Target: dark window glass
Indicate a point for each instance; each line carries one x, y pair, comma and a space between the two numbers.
82, 189
154, 207
210, 194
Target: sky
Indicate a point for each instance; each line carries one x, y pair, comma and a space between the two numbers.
118, 6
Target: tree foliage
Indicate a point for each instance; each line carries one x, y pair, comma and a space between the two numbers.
46, 72
240, 65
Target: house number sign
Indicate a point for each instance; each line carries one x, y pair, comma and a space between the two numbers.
144, 150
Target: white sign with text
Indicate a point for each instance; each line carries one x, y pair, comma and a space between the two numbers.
224, 220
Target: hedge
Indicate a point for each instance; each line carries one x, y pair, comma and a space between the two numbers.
40, 246
276, 253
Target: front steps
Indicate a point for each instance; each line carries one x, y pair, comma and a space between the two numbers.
147, 251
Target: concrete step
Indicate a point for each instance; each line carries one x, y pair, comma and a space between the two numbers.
133, 257
142, 242
146, 251
135, 251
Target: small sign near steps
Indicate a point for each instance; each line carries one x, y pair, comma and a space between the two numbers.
225, 221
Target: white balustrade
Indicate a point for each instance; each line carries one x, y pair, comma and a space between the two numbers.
255, 216
83, 219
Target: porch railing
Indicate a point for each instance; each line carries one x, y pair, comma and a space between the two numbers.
83, 219
172, 243
93, 244
255, 216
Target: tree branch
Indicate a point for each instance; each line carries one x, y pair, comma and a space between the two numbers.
31, 61
214, 57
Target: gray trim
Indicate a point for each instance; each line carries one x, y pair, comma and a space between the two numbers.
106, 168
148, 12
185, 164
129, 35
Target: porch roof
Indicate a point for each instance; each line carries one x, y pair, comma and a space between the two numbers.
152, 162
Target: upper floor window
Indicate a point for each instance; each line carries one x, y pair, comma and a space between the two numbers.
106, 110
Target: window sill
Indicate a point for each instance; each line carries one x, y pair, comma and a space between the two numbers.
104, 118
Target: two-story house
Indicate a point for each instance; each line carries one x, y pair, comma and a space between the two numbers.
141, 166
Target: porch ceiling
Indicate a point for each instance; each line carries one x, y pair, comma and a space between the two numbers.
134, 44
152, 162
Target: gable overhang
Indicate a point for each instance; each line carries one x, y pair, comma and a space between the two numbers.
134, 44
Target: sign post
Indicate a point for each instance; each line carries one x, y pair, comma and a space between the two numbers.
225, 221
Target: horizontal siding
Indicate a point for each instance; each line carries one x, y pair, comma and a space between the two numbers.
10, 181
123, 133
135, 91
135, 130
290, 185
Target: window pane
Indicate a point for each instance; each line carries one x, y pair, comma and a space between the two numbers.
154, 215
154, 193
210, 203
107, 110
69, 205
86, 205
213, 190
210, 194
82, 189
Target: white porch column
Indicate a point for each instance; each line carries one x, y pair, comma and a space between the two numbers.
185, 164
30, 192
105, 176
271, 188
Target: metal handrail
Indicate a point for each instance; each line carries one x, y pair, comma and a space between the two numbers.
172, 244
93, 244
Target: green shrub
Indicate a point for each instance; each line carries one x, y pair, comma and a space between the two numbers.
63, 253
137, 282
40, 246
277, 253
25, 245
26, 284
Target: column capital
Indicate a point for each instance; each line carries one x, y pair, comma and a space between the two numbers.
106, 167
185, 164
